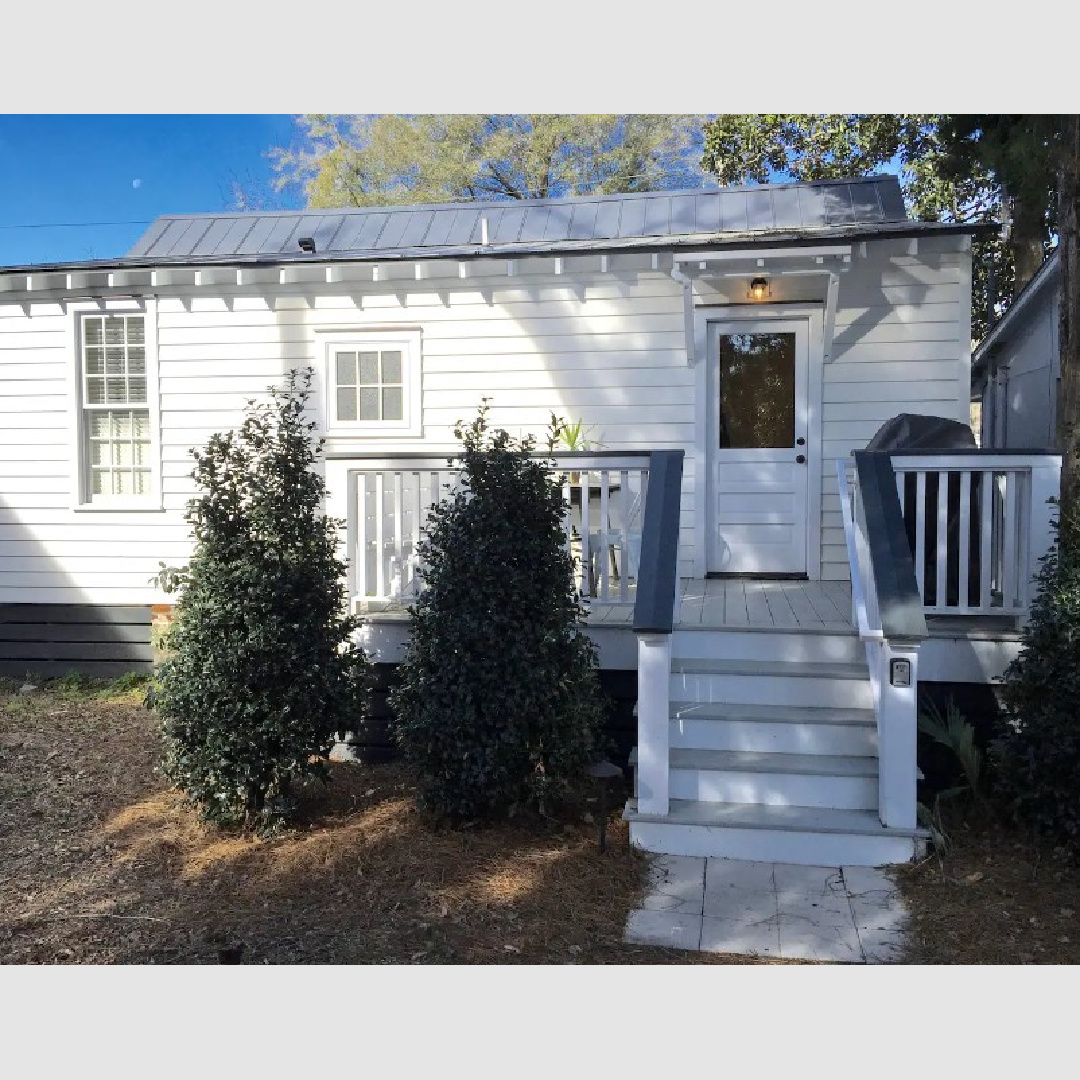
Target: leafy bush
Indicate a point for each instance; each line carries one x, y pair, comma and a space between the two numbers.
953, 732
263, 670
498, 702
1037, 757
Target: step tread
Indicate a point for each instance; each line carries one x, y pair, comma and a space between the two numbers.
757, 761
835, 630
809, 819
771, 714
770, 668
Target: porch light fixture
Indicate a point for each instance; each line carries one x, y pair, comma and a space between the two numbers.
307, 245
759, 288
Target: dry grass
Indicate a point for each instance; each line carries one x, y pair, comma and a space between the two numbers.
995, 897
104, 864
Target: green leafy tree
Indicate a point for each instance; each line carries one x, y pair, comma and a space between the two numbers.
1036, 159
393, 159
499, 703
263, 669
1037, 758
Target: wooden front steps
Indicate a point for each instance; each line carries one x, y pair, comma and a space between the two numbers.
773, 752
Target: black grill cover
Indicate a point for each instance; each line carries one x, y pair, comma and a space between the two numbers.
910, 431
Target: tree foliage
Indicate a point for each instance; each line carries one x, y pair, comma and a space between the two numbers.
499, 701
394, 159
263, 670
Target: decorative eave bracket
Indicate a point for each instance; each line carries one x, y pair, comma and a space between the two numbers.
827, 261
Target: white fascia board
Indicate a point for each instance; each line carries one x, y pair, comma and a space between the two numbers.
753, 254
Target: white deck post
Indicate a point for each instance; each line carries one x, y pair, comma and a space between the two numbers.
897, 766
1045, 485
654, 710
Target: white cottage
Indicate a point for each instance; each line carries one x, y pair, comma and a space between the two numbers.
727, 350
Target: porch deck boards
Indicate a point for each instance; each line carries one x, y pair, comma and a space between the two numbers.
732, 603
738, 603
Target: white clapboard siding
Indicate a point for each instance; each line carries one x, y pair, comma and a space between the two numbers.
604, 348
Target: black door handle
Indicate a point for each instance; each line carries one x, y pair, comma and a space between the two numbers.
801, 459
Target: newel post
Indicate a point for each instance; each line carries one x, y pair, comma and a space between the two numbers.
897, 727
654, 710
1045, 485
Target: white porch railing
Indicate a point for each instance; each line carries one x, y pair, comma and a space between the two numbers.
389, 500
978, 522
948, 533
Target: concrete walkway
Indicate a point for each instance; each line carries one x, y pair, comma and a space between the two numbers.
849, 914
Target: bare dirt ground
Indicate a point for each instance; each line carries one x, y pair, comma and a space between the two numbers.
103, 864
995, 897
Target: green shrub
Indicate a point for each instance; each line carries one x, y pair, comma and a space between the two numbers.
262, 669
1037, 756
498, 702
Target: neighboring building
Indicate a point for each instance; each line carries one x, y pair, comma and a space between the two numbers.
1016, 368
738, 344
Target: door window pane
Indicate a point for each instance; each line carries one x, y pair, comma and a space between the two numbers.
757, 391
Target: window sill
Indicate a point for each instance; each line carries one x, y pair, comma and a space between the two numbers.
122, 506
374, 431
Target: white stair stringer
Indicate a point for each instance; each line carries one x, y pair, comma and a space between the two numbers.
773, 753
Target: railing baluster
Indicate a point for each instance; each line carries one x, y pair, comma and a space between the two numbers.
397, 512
920, 532
360, 550
604, 551
1023, 557
568, 521
586, 568
1010, 565
963, 598
624, 537
380, 528
986, 538
418, 513
942, 539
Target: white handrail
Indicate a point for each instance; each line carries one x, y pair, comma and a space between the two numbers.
848, 496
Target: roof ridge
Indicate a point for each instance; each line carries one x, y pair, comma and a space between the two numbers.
377, 208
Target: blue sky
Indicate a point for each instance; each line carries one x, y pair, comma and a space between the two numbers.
85, 169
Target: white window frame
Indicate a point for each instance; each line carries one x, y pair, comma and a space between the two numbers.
82, 499
361, 339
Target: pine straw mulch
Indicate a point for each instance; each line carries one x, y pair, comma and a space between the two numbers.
104, 865
996, 896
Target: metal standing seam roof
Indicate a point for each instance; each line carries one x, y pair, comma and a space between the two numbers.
550, 223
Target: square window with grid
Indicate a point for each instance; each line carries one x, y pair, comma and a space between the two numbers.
116, 434
370, 385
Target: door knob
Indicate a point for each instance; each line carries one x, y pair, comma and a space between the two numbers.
801, 459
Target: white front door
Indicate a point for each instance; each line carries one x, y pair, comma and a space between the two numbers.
757, 380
